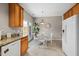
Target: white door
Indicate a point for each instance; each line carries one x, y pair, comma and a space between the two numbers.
12, 49
64, 36
70, 49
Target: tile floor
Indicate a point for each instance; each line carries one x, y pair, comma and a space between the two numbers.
35, 49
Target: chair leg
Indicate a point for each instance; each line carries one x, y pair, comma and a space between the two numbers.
51, 42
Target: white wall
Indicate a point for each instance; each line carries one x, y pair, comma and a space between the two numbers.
56, 25
4, 19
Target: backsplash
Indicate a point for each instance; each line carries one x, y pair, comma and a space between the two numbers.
13, 35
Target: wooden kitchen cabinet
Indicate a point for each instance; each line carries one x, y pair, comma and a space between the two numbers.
70, 12
21, 17
76, 9
73, 11
66, 15
11, 15
15, 15
24, 45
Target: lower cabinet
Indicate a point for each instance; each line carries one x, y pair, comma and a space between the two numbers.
12, 49
24, 45
17, 48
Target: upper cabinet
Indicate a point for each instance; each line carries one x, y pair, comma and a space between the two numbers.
66, 15
15, 15
74, 10
21, 17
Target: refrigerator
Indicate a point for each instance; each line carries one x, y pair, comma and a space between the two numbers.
70, 36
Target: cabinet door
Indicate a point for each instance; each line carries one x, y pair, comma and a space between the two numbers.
12, 49
21, 17
11, 14
70, 45
66, 15
70, 12
17, 15
24, 45
76, 9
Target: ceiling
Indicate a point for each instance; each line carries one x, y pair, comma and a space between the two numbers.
46, 9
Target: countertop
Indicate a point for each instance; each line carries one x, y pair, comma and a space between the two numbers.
8, 40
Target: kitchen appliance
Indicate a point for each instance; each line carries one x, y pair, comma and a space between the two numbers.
70, 36
11, 49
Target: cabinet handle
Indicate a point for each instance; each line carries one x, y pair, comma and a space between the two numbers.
6, 50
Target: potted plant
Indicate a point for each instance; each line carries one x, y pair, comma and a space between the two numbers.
36, 29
